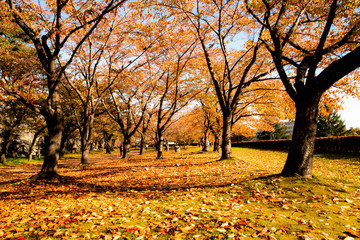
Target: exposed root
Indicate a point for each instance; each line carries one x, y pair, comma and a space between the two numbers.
49, 176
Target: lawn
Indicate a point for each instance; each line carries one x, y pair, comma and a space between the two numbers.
187, 195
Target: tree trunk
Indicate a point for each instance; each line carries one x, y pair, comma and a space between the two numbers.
160, 143
142, 144
300, 157
226, 136
121, 149
31, 149
55, 124
107, 140
86, 138
216, 142
55, 128
167, 147
101, 145
126, 147
4, 145
206, 142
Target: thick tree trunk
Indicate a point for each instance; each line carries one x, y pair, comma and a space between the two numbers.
126, 147
300, 157
55, 124
216, 142
55, 129
226, 137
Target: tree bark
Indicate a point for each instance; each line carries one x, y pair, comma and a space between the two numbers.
31, 149
55, 128
226, 136
86, 138
126, 147
216, 142
167, 147
160, 143
206, 144
300, 157
142, 144
4, 146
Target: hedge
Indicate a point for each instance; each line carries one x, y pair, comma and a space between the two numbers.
345, 144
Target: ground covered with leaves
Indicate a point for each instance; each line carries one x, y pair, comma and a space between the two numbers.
187, 195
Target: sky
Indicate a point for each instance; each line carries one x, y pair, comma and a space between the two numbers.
351, 113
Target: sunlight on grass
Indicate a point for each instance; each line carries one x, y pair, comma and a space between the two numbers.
18, 161
187, 195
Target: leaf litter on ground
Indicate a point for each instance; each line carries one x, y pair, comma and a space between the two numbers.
188, 195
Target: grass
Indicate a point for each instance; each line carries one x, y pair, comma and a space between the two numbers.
18, 161
202, 198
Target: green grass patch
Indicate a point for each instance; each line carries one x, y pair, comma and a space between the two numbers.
19, 161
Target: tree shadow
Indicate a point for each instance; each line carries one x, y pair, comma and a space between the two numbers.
338, 156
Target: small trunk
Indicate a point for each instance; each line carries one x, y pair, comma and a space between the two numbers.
300, 156
85, 156
108, 149
86, 137
226, 137
101, 145
121, 149
142, 145
2, 158
126, 147
160, 144
177, 148
4, 147
167, 147
206, 143
63, 143
107, 143
112, 145
217, 142
31, 149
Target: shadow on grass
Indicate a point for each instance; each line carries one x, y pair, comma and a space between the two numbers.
152, 186
338, 156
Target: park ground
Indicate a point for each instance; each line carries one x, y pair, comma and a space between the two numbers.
187, 195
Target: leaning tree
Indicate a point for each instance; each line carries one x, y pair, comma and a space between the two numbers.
51, 26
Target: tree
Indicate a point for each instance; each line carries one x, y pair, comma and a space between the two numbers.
144, 130
330, 125
211, 119
12, 116
84, 80
175, 91
279, 132
314, 46
51, 26
129, 100
231, 71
